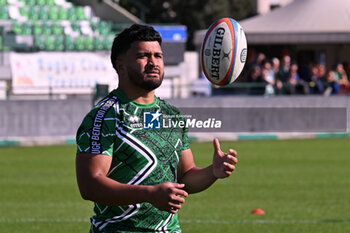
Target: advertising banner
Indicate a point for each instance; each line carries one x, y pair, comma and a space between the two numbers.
60, 72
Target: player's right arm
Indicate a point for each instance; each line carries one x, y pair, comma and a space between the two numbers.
94, 185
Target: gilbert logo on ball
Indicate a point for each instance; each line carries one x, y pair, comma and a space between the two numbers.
223, 52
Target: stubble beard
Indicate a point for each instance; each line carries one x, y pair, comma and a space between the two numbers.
140, 81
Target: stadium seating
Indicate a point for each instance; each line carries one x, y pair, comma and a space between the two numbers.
69, 43
3, 13
55, 25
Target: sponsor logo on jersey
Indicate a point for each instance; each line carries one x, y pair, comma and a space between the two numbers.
134, 121
96, 131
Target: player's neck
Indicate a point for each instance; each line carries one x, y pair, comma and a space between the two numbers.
138, 95
146, 98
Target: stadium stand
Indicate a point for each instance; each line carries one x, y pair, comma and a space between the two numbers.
52, 25
60, 48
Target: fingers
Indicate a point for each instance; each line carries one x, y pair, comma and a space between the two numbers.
232, 152
229, 164
179, 190
175, 203
231, 159
176, 197
229, 167
216, 144
223, 163
174, 209
217, 148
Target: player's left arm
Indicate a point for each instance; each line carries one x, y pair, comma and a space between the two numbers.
198, 179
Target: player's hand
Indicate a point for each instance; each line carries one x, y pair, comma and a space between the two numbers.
223, 163
168, 196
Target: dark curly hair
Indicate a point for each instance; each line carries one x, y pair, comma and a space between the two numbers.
135, 32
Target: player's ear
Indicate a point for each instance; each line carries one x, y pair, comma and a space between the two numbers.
119, 65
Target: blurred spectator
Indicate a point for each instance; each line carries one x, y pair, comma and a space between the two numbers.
333, 86
306, 71
294, 84
316, 83
284, 68
257, 61
322, 72
275, 62
258, 83
269, 80
269, 75
341, 77
260, 59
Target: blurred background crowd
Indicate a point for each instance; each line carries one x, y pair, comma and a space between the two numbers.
275, 76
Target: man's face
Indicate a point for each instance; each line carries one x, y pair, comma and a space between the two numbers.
144, 64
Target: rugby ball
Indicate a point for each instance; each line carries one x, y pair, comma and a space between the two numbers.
223, 52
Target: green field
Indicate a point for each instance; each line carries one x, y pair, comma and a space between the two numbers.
303, 186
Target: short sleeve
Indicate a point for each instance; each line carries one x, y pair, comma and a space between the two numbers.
185, 142
96, 134
183, 128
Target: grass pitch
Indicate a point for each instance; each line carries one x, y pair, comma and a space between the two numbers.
302, 185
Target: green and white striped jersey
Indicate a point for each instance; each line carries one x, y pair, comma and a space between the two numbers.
143, 152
